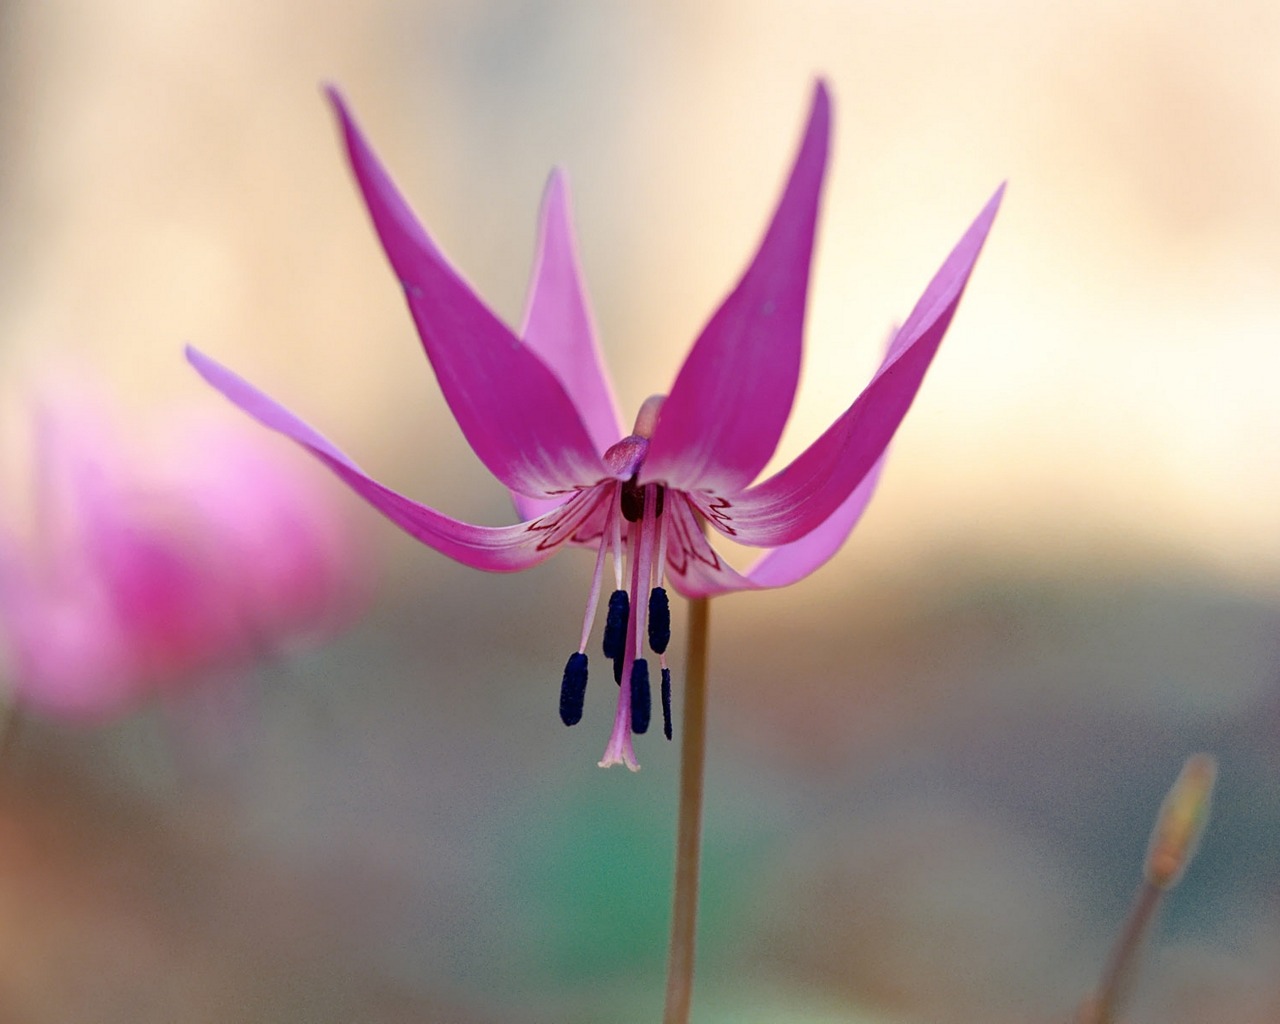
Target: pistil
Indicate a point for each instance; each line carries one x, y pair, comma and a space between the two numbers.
639, 610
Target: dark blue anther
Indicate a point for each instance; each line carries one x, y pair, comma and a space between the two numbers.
659, 621
615, 624
573, 689
666, 703
641, 702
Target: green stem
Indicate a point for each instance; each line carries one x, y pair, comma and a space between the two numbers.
693, 755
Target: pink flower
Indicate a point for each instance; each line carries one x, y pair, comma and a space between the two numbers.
299, 572
136, 574
538, 410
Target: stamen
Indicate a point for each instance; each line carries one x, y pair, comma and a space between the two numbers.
597, 577
635, 701
659, 620
615, 631
642, 571
660, 561
666, 702
641, 701
615, 540
573, 689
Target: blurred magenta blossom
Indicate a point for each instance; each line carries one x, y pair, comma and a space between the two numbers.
137, 571
538, 410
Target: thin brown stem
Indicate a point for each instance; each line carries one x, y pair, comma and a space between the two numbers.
9, 730
693, 753
1117, 979
1173, 843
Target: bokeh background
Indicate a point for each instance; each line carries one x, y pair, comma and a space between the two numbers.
933, 765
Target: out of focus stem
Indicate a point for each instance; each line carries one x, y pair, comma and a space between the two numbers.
1117, 979
1173, 843
9, 728
693, 752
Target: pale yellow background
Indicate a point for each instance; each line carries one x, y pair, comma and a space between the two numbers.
171, 174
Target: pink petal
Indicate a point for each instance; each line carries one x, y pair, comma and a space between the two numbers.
557, 320
558, 327
698, 571
497, 549
67, 658
512, 409
693, 566
803, 495
298, 567
725, 413
793, 562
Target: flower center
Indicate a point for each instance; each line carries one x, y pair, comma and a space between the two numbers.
634, 534
631, 501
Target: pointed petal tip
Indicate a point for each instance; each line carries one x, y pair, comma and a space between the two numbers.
976, 235
338, 104
821, 94
200, 362
214, 373
558, 178
334, 95
820, 114
555, 196
993, 204
352, 139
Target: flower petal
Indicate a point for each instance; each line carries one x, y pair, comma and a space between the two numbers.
697, 571
557, 320
796, 500
722, 420
497, 549
512, 409
693, 566
558, 327
792, 562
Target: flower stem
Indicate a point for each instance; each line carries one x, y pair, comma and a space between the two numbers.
1173, 843
1117, 979
9, 729
693, 752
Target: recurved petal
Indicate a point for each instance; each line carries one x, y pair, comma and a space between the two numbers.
698, 571
534, 508
693, 566
803, 495
792, 562
496, 549
557, 319
513, 410
725, 412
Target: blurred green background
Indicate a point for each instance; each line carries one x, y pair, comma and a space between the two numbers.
933, 765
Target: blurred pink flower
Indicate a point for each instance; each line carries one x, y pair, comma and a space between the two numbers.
539, 412
136, 573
